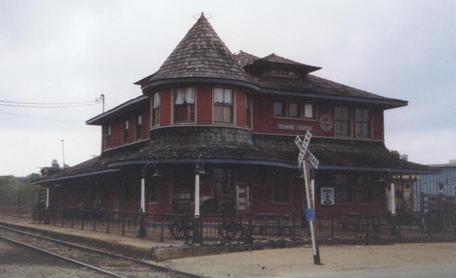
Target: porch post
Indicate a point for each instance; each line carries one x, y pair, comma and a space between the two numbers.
393, 199
197, 195
197, 225
46, 207
143, 194
47, 198
142, 217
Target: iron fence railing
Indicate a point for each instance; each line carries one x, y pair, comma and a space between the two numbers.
229, 228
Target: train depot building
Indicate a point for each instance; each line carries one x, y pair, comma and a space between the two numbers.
228, 122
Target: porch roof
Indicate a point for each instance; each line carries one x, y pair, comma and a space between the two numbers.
266, 150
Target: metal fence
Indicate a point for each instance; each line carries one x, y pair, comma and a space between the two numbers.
228, 228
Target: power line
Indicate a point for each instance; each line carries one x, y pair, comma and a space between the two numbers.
50, 103
47, 106
25, 104
38, 118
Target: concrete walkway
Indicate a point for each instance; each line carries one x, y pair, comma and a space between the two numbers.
339, 261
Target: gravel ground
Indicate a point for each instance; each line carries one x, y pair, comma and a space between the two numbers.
18, 261
337, 260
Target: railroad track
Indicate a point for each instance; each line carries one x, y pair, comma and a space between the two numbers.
107, 263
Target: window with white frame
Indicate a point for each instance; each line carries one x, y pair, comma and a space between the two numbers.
362, 123
108, 136
279, 109
184, 105
155, 119
294, 109
125, 131
342, 121
139, 126
223, 105
309, 111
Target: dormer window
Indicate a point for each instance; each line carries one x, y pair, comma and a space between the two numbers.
223, 105
283, 73
184, 105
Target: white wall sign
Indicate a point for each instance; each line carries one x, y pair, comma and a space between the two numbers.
327, 196
326, 122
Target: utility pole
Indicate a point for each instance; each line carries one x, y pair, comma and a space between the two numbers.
102, 97
63, 153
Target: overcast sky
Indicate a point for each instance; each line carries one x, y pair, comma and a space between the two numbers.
59, 51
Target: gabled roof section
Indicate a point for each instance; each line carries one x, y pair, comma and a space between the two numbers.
200, 54
120, 110
245, 58
276, 60
273, 58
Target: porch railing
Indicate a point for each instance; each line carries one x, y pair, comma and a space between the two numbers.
224, 228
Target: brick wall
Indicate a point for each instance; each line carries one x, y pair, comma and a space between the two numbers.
204, 105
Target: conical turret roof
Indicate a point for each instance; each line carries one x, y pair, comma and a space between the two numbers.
201, 54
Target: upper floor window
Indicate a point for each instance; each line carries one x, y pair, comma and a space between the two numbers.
108, 136
248, 111
155, 118
139, 126
342, 121
293, 110
363, 123
184, 105
279, 109
125, 132
223, 105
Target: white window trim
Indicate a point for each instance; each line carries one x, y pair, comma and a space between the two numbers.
195, 118
234, 123
351, 115
151, 110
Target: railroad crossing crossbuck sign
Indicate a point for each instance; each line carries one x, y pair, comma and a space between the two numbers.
303, 156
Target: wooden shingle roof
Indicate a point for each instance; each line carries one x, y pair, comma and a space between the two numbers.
200, 54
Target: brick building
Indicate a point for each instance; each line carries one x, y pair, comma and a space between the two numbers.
233, 117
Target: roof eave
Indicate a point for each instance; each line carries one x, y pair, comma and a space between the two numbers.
99, 119
388, 103
260, 63
203, 80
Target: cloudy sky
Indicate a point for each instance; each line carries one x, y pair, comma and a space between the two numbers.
71, 51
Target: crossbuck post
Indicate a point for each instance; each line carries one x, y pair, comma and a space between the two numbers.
305, 156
